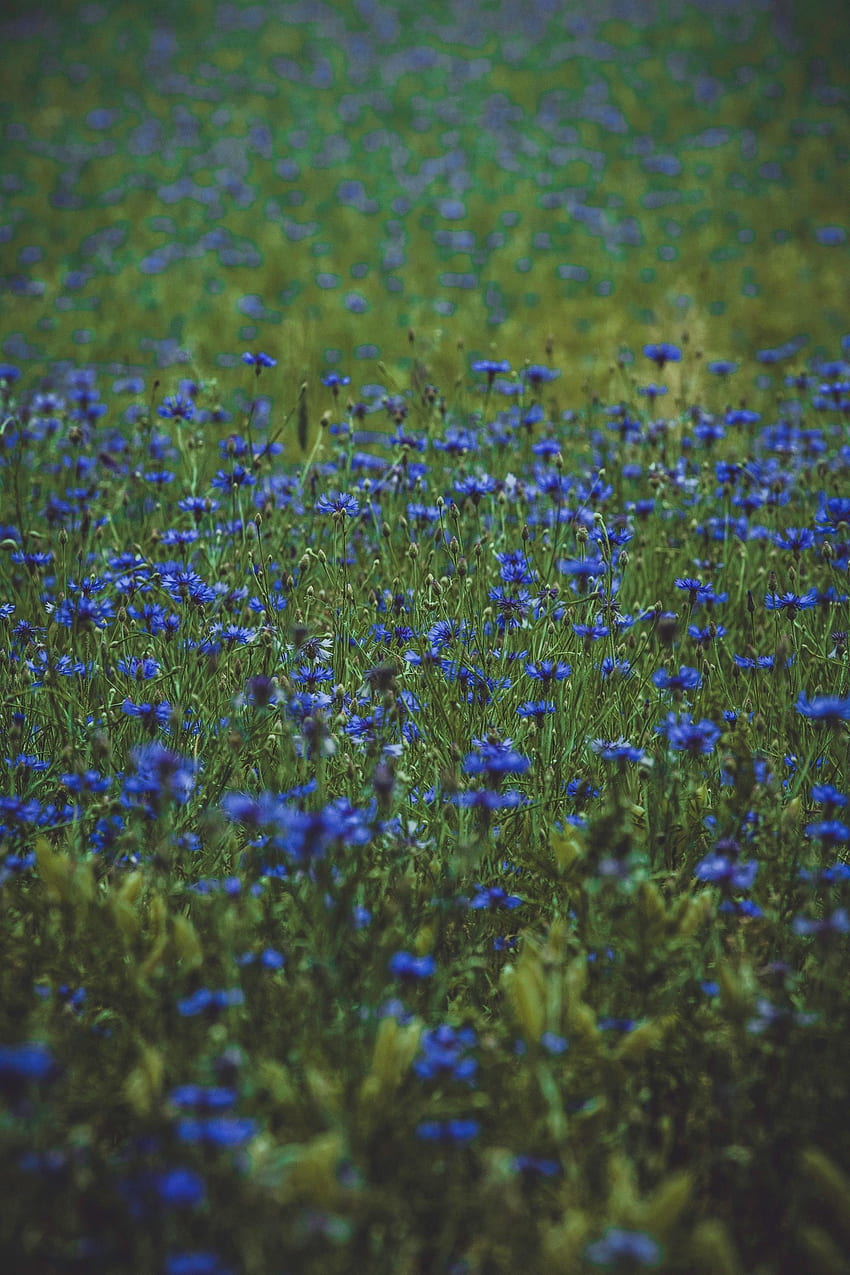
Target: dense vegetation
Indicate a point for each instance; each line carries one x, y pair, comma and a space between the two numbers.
424, 833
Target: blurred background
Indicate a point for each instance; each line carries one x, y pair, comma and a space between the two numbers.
559, 181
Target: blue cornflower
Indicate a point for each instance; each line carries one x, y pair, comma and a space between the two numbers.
181, 1187
687, 736
530, 1165
697, 591
30, 1061
619, 1246
705, 636
494, 760
616, 750
84, 613
491, 368
445, 632
217, 1131
475, 487
722, 367
405, 965
177, 408
615, 668
493, 896
444, 1054
335, 380
537, 374
237, 477
185, 585
725, 870
830, 831
514, 568
161, 773
196, 1262
536, 709
837, 923
338, 502
663, 352
823, 708
687, 679
203, 1097
150, 715
205, 1001
791, 602
548, 670
511, 608
487, 799
827, 795
591, 632
448, 1130
794, 539
259, 360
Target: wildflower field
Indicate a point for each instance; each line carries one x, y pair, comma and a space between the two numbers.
424, 686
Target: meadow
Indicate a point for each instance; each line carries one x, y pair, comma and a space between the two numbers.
425, 702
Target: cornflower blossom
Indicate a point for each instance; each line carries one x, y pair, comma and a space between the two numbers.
697, 591
823, 708
837, 923
187, 586
404, 965
495, 760
84, 613
237, 477
338, 502
445, 632
687, 679
619, 1247
831, 832
704, 637
591, 632
726, 871
258, 360
514, 568
335, 381
536, 374
536, 709
548, 671
791, 602
448, 1131
177, 408
161, 774
511, 609
491, 368
474, 487
794, 539
444, 1054
687, 736
663, 352
827, 795
619, 750
494, 896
